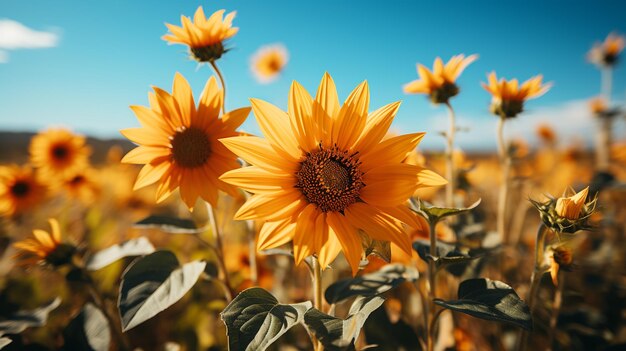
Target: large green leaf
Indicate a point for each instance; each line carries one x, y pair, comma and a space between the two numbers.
89, 330
446, 253
153, 283
433, 213
255, 319
339, 334
492, 300
171, 225
371, 284
21, 320
134, 247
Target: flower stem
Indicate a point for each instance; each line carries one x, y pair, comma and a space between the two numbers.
603, 146
505, 162
220, 250
449, 157
219, 74
432, 283
317, 295
556, 308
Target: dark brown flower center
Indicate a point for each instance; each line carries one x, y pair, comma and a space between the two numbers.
191, 147
330, 178
77, 180
274, 65
20, 189
60, 152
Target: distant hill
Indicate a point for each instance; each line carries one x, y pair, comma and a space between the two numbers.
14, 147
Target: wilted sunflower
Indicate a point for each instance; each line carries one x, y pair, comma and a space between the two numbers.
58, 154
607, 54
204, 37
267, 63
45, 247
440, 84
20, 190
322, 173
508, 97
178, 143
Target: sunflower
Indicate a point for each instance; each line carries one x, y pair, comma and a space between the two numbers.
83, 186
59, 154
607, 54
178, 143
204, 37
546, 133
267, 63
508, 97
440, 84
322, 174
45, 247
20, 190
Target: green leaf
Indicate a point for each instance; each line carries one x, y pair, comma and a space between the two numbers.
255, 319
339, 334
4, 342
171, 225
447, 254
153, 283
371, 284
376, 247
21, 320
89, 330
433, 214
491, 300
134, 247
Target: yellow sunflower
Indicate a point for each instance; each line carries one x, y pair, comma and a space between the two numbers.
268, 62
204, 37
20, 190
83, 186
322, 174
440, 84
59, 154
45, 247
508, 97
606, 54
178, 142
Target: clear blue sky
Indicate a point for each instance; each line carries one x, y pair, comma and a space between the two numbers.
110, 53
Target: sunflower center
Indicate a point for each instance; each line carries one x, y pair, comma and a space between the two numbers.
20, 189
60, 152
273, 65
191, 147
77, 180
330, 178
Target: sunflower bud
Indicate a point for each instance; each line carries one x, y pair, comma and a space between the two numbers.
567, 214
560, 258
442, 94
506, 108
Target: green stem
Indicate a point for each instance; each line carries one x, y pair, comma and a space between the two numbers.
219, 250
432, 283
449, 157
505, 162
317, 296
219, 75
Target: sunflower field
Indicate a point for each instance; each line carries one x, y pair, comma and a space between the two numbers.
324, 227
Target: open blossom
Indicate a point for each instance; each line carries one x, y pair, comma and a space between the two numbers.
440, 83
59, 154
204, 37
45, 247
20, 190
268, 62
508, 97
323, 173
606, 54
178, 142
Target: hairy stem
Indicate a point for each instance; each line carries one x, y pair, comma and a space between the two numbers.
219, 75
505, 162
450, 174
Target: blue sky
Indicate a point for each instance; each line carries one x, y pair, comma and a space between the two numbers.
109, 53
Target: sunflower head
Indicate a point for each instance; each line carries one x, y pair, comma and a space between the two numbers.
546, 133
606, 54
440, 83
82, 186
323, 173
45, 247
204, 37
59, 154
508, 97
178, 142
567, 214
268, 62
20, 190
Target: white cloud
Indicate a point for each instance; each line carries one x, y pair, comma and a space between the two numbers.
571, 120
14, 35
